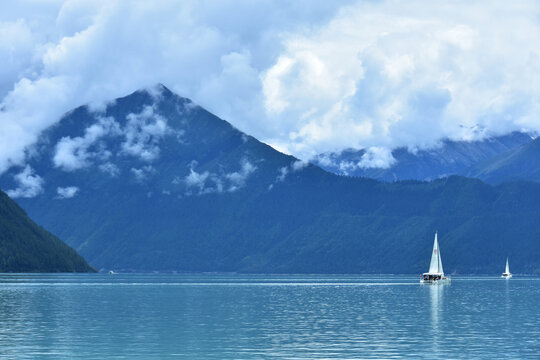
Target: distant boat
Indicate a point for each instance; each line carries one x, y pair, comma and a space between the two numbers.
112, 272
435, 275
506, 274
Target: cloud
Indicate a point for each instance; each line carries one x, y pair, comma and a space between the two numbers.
295, 166
305, 76
110, 168
67, 192
73, 153
29, 184
195, 179
389, 74
55, 57
144, 173
209, 182
299, 165
143, 132
376, 157
16, 49
238, 179
283, 171
140, 137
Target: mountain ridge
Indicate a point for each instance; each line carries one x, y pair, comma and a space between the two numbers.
451, 158
519, 163
160, 184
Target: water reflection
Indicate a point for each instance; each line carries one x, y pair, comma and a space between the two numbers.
507, 308
436, 306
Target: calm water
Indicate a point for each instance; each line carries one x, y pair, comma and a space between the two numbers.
267, 317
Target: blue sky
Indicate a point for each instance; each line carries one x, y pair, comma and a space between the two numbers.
306, 76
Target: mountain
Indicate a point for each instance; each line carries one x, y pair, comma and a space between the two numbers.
153, 182
519, 163
451, 158
26, 247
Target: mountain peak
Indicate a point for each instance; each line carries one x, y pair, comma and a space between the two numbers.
153, 182
150, 139
152, 94
158, 90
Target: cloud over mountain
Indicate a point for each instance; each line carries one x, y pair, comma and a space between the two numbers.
29, 184
207, 182
305, 76
74, 153
67, 192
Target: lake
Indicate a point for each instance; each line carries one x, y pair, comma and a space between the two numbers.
215, 316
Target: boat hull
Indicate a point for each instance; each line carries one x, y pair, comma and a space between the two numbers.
506, 276
443, 281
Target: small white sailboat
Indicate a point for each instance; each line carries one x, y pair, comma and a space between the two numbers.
506, 274
435, 275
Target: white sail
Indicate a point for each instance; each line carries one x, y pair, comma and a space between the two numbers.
440, 261
435, 266
507, 271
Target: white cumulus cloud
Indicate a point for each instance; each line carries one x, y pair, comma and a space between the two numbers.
143, 132
306, 76
208, 182
29, 184
238, 179
388, 74
143, 173
73, 153
195, 179
376, 157
295, 166
110, 168
67, 192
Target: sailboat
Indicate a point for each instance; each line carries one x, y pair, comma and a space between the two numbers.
506, 274
435, 275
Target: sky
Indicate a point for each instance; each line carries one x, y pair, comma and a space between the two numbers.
304, 76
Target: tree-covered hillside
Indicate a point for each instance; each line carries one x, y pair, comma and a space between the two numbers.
26, 247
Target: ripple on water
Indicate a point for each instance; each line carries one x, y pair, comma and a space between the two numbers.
217, 316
